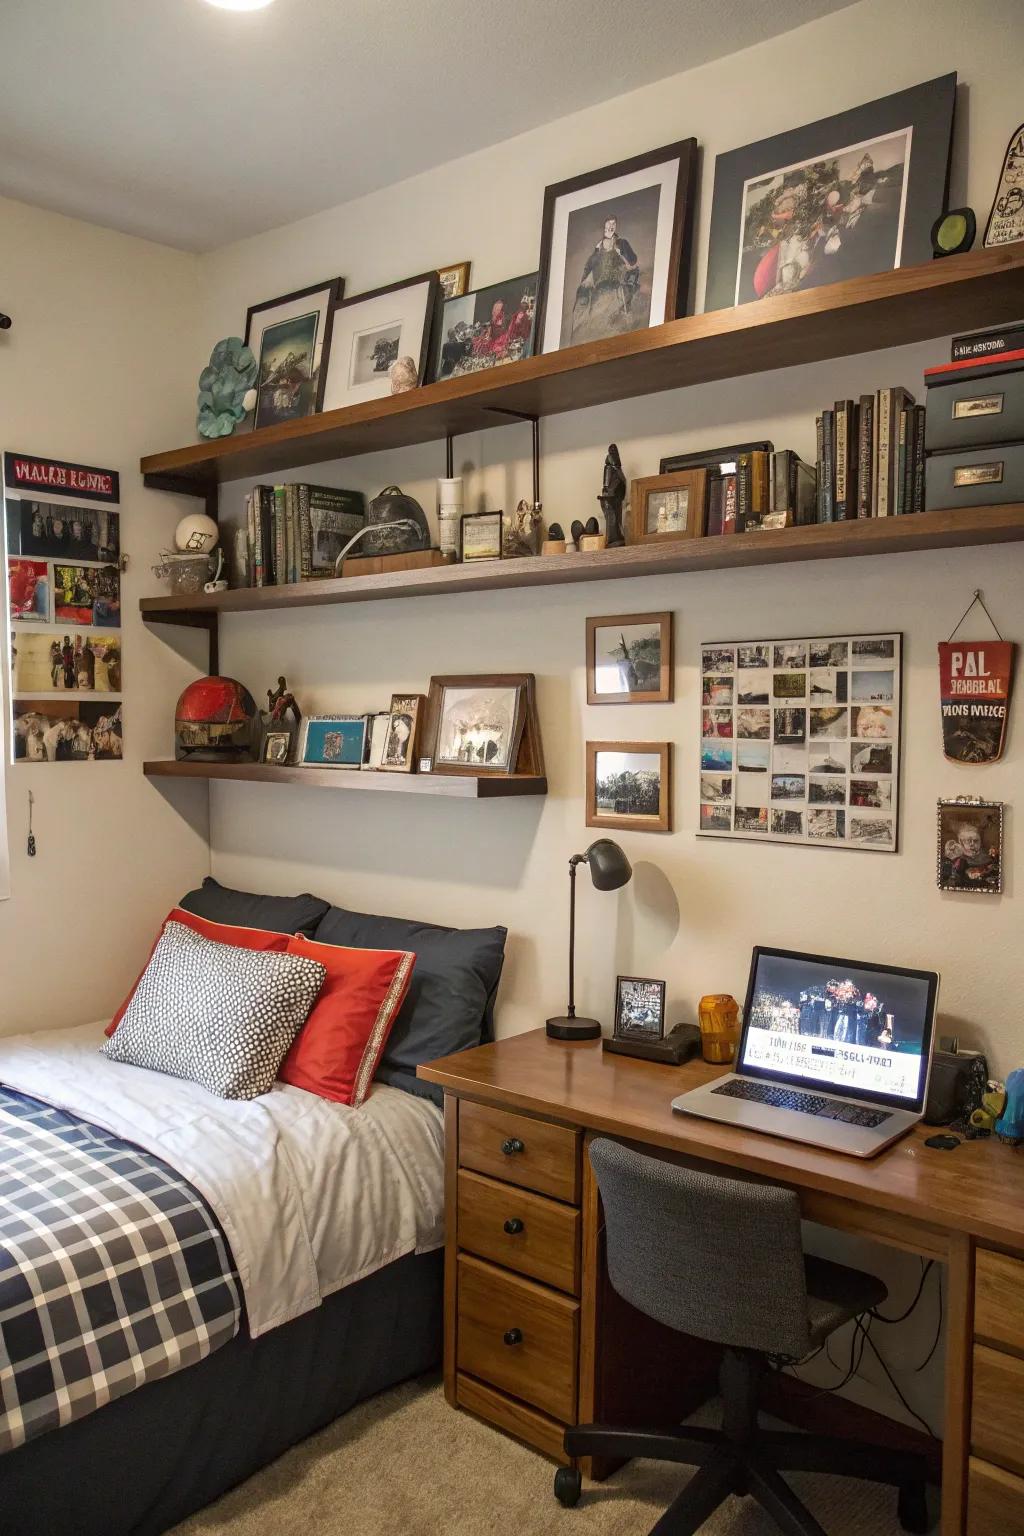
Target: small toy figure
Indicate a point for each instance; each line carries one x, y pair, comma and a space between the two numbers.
613, 494
521, 531
280, 703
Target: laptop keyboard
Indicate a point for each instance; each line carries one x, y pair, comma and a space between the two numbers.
805, 1103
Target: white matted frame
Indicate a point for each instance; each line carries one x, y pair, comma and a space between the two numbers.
400, 316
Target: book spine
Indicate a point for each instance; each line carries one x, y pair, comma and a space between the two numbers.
759, 492
714, 505
305, 535
266, 522
818, 450
842, 426
899, 498
882, 506
865, 424
828, 462
729, 504
250, 540
743, 492
280, 537
917, 499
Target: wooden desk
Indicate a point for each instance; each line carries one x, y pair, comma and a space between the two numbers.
518, 1115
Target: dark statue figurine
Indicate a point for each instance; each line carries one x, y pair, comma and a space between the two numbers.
280, 703
613, 494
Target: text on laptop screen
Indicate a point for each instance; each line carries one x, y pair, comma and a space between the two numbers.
854, 1028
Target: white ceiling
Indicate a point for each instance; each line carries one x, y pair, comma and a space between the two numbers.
196, 126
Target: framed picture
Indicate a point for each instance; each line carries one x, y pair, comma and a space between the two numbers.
454, 280
28, 590
486, 328
615, 248
666, 507
372, 331
639, 1008
480, 536
291, 340
841, 198
67, 730
333, 741
475, 723
54, 531
800, 741
402, 739
277, 746
629, 785
629, 659
87, 595
61, 663
970, 846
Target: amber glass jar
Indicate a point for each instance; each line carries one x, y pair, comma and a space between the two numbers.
719, 1016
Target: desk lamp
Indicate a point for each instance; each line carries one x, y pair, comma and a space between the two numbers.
609, 869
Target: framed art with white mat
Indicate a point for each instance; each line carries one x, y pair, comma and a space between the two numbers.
372, 331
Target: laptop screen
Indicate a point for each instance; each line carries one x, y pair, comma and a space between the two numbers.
860, 1031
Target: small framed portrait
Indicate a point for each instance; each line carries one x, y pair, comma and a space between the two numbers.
454, 280
664, 507
970, 846
629, 784
372, 331
639, 1008
629, 659
475, 723
290, 338
486, 328
480, 536
277, 746
334, 741
402, 739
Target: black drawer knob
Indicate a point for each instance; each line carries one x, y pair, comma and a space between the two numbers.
511, 1146
514, 1226
514, 1336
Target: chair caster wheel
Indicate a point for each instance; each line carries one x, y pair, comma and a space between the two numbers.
568, 1484
912, 1508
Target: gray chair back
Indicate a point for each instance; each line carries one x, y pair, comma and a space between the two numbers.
718, 1258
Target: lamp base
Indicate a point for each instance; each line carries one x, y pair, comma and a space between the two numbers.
565, 1028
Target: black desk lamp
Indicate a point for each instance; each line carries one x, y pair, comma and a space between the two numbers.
609, 869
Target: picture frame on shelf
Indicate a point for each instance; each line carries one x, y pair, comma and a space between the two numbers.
371, 331
667, 508
277, 747
969, 852
454, 279
475, 723
486, 328
333, 741
379, 722
290, 338
615, 248
481, 536
401, 743
639, 1009
629, 785
841, 198
629, 659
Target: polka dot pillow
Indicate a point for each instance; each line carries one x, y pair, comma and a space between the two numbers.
219, 1016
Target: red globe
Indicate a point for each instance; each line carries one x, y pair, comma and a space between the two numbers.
215, 720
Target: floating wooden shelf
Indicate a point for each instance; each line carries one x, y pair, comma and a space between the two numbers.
887, 309
450, 786
827, 541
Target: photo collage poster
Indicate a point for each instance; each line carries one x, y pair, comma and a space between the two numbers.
800, 741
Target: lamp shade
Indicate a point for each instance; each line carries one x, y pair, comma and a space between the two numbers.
609, 867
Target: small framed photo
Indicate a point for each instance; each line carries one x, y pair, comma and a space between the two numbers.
486, 328
402, 739
629, 659
372, 331
970, 846
334, 741
454, 280
277, 746
629, 785
639, 1008
480, 536
290, 338
664, 507
475, 723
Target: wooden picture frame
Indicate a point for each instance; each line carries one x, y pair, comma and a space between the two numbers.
405, 714
691, 481
409, 308
290, 308
624, 819
479, 546
454, 279
524, 755
663, 692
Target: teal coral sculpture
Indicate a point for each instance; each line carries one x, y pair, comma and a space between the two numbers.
226, 388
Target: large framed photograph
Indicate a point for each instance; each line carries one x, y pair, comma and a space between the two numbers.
629, 785
333, 741
970, 846
372, 331
800, 741
841, 198
475, 723
402, 738
666, 508
290, 338
639, 1009
486, 328
615, 248
629, 659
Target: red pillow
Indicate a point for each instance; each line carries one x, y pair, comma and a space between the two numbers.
220, 933
336, 1052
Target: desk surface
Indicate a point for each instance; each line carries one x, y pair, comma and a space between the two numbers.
977, 1189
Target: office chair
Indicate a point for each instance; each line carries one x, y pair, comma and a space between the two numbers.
723, 1259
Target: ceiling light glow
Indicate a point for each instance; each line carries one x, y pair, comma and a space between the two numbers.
240, 5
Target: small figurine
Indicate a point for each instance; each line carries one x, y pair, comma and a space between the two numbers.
555, 532
521, 531
280, 703
613, 494
403, 375
576, 530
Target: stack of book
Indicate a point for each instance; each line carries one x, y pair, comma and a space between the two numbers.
755, 487
296, 532
871, 457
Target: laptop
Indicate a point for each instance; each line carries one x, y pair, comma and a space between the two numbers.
833, 1052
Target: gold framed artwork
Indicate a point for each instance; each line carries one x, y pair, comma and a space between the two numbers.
664, 507
454, 280
629, 659
629, 785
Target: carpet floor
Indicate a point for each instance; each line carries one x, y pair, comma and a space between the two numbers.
405, 1462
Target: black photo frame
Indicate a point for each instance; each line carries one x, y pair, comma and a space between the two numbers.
643, 993
323, 298
466, 339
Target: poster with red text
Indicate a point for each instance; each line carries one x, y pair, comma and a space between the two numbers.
975, 679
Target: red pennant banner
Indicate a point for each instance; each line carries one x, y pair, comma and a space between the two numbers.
975, 680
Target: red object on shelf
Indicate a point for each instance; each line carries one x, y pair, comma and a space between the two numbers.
215, 721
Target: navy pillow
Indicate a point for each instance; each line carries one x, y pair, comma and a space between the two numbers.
244, 909
450, 1000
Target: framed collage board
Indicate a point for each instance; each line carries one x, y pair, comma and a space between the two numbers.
800, 740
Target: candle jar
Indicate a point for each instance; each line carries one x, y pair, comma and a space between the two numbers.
719, 1016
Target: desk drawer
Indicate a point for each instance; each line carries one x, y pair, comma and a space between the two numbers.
518, 1336
533, 1153
525, 1232
999, 1301
995, 1500
997, 1408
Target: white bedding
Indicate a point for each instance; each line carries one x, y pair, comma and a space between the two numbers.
311, 1195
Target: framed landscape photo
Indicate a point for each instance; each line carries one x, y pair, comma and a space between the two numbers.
290, 338
486, 328
841, 198
639, 1008
970, 846
668, 507
372, 331
629, 785
629, 659
475, 722
615, 248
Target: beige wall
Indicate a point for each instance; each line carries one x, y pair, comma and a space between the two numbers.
99, 365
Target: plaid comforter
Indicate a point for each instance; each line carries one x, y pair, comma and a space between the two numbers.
112, 1270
